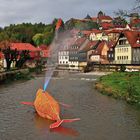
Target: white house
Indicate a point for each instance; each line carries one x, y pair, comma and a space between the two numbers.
63, 57
98, 35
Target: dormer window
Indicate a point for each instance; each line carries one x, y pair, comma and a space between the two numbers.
122, 42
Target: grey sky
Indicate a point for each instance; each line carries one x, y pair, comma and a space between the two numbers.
18, 11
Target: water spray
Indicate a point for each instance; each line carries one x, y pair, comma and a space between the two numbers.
52, 61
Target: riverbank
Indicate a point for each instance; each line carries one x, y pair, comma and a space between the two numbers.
121, 85
13, 75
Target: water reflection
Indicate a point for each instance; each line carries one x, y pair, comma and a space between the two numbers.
43, 125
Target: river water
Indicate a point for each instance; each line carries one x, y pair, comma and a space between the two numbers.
102, 118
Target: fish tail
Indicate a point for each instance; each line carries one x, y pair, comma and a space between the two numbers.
59, 122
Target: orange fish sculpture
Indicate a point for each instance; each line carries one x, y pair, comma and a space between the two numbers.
47, 107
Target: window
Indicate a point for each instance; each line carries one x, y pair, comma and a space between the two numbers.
134, 58
122, 42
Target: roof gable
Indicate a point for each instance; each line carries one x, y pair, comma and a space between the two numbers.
132, 37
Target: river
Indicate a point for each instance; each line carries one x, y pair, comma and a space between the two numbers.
102, 117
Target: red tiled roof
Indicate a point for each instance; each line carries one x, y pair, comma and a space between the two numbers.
94, 18
132, 37
113, 31
96, 31
79, 41
44, 47
119, 26
34, 54
86, 32
135, 21
24, 46
74, 31
106, 25
45, 51
89, 45
99, 48
68, 42
111, 44
105, 18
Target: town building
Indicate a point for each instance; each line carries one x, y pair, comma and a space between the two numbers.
73, 53
98, 54
63, 57
84, 53
127, 50
1, 61
44, 54
111, 51
97, 35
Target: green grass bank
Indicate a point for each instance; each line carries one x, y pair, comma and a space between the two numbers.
121, 85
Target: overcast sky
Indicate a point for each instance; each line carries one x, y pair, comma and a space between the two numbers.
18, 11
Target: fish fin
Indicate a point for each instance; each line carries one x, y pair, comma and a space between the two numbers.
70, 120
28, 103
65, 105
56, 124
59, 122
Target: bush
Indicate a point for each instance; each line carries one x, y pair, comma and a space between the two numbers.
122, 68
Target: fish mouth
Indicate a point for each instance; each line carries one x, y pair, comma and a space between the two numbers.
43, 91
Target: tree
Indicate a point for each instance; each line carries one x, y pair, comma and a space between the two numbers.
13, 56
91, 25
24, 56
38, 39
10, 55
48, 38
70, 24
24, 32
121, 13
119, 21
127, 13
136, 8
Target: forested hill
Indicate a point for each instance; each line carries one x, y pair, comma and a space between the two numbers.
84, 24
40, 33
36, 34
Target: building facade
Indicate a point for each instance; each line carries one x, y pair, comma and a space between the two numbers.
123, 51
63, 57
